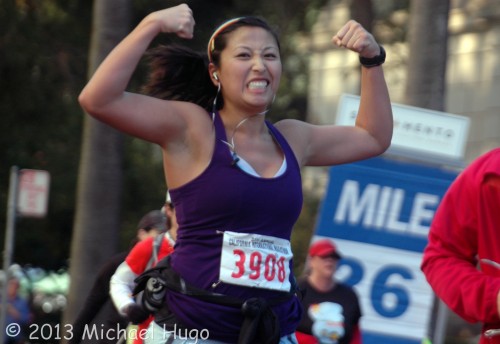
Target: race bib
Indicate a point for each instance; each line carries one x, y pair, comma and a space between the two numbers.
254, 260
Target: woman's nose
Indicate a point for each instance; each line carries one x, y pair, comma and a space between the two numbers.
258, 64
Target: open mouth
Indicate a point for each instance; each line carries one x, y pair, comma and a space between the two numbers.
258, 85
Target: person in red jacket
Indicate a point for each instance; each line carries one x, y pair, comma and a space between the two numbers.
462, 259
98, 302
143, 256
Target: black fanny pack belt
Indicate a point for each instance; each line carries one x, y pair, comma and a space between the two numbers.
260, 324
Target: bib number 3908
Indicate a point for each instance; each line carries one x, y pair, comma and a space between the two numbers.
273, 267
254, 260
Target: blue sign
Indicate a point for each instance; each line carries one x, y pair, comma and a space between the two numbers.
378, 212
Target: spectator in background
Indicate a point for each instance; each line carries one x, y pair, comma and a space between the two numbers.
462, 259
331, 309
143, 256
98, 300
18, 312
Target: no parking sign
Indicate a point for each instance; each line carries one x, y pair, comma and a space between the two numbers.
33, 193
378, 212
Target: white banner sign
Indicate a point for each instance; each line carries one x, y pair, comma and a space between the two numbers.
417, 130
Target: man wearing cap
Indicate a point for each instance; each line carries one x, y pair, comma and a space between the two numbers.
331, 309
143, 256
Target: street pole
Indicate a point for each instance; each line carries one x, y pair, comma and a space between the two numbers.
441, 320
9, 244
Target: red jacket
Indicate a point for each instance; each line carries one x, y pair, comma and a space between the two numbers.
462, 259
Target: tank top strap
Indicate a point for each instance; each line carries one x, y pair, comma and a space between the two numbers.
220, 131
221, 153
287, 150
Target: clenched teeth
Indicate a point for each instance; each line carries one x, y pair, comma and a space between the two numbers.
257, 84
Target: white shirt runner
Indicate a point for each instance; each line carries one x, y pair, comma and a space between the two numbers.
255, 260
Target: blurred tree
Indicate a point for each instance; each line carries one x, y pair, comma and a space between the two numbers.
362, 11
98, 203
428, 51
425, 86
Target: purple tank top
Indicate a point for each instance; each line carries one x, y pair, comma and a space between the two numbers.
223, 197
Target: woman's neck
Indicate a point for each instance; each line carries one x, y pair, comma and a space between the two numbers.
251, 125
232, 116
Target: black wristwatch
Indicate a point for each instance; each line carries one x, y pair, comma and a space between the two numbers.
370, 62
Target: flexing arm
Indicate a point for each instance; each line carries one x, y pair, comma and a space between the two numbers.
325, 145
375, 112
105, 96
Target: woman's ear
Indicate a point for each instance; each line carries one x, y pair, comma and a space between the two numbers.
213, 74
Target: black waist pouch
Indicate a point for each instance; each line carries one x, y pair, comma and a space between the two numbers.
260, 324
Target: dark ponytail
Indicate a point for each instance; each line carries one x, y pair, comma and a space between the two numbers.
179, 73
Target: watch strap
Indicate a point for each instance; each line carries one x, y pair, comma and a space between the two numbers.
370, 62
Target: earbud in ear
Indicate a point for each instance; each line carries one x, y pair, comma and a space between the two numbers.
214, 74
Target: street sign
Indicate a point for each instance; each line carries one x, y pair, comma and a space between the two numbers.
378, 212
33, 193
